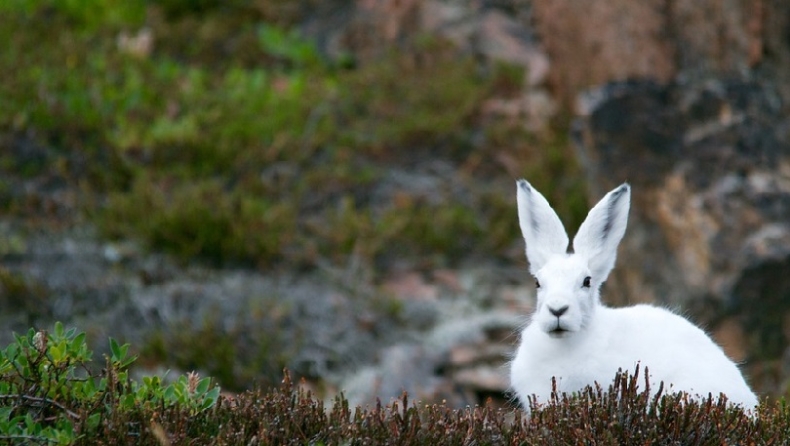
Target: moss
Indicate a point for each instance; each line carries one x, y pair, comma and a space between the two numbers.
547, 159
203, 218
419, 99
448, 229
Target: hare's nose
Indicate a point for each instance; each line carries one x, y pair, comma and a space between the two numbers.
558, 311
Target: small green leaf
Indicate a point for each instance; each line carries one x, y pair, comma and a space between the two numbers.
56, 352
128, 362
78, 342
59, 331
211, 397
115, 349
170, 394
94, 420
128, 401
202, 386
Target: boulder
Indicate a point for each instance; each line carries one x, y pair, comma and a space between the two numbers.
599, 41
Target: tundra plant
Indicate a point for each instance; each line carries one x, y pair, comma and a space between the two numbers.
49, 393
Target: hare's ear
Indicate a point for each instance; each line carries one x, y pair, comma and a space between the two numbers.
602, 231
542, 229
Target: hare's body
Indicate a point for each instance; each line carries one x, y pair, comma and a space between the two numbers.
617, 338
578, 341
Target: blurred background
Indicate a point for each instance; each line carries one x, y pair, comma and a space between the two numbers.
242, 186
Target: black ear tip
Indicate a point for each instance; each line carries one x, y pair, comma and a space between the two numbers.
622, 189
522, 183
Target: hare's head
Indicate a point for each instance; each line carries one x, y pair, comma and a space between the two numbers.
568, 281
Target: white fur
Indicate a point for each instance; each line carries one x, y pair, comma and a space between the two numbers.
588, 342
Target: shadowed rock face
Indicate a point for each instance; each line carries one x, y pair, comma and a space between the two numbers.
710, 225
762, 295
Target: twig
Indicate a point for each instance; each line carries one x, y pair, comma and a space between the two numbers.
41, 400
29, 438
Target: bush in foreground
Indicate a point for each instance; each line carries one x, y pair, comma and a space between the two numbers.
49, 395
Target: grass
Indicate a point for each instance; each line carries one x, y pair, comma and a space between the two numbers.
233, 140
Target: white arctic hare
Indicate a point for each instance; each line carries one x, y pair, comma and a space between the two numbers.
572, 336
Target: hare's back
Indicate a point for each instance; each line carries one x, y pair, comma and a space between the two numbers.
647, 331
676, 351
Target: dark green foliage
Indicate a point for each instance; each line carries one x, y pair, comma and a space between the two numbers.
50, 394
231, 138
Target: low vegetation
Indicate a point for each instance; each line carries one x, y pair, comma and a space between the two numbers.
213, 130
53, 393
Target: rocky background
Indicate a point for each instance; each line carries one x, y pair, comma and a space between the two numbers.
686, 100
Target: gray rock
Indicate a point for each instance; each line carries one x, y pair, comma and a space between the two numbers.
461, 362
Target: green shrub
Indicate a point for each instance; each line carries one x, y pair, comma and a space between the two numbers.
50, 394
201, 219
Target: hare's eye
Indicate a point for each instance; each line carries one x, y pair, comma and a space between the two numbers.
537, 283
586, 282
